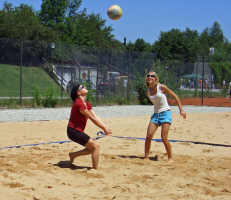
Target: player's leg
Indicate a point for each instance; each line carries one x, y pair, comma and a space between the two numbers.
152, 127
80, 138
94, 148
164, 136
165, 119
90, 148
83, 152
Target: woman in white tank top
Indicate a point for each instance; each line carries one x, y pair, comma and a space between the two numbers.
162, 114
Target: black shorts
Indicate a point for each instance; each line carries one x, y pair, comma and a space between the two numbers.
77, 136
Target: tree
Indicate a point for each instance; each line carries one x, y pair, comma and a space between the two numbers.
216, 35
141, 45
7, 7
22, 26
73, 7
204, 41
170, 45
191, 43
87, 30
53, 12
211, 37
74, 26
22, 22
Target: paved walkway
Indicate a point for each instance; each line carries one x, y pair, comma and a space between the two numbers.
20, 115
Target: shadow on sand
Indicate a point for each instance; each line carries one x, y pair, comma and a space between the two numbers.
155, 158
67, 164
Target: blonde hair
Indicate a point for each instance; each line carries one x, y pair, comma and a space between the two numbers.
157, 77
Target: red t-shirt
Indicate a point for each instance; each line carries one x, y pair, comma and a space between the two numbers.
77, 120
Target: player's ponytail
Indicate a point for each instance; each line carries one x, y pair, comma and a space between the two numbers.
74, 90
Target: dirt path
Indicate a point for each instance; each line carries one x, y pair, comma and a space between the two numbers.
216, 101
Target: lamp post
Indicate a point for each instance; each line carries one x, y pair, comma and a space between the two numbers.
52, 47
211, 52
203, 77
128, 65
166, 68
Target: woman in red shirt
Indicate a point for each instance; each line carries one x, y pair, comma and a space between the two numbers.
80, 112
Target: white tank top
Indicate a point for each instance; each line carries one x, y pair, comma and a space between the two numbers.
159, 100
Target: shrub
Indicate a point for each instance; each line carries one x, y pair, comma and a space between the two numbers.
92, 96
37, 99
140, 88
121, 100
49, 99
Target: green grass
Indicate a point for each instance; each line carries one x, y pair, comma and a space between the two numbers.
31, 77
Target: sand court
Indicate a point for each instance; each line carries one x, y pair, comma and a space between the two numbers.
199, 171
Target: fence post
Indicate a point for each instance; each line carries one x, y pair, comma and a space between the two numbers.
20, 72
62, 84
203, 77
128, 82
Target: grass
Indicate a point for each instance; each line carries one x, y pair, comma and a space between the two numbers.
31, 77
29, 103
36, 84
36, 79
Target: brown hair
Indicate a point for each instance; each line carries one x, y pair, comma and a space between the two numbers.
74, 90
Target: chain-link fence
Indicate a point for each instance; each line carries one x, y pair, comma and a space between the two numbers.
28, 66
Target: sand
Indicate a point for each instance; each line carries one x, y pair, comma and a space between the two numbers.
43, 172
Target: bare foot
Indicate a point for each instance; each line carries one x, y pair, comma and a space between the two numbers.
92, 169
170, 160
156, 158
71, 158
146, 158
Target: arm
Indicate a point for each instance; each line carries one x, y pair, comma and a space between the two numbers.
165, 89
98, 122
94, 115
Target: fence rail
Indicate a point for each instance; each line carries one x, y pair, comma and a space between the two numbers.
106, 72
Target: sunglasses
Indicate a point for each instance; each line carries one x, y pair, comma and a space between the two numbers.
81, 87
151, 75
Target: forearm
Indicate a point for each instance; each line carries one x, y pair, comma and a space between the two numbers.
178, 103
98, 122
96, 118
182, 113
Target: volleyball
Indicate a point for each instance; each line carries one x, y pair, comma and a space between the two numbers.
114, 12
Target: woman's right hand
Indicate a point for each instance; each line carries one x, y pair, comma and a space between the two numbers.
108, 131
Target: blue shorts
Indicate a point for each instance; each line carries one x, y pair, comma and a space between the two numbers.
163, 117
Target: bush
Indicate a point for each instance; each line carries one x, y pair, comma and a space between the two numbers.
91, 97
49, 99
121, 100
224, 92
37, 99
140, 88
221, 70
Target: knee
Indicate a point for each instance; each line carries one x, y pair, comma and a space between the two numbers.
95, 147
149, 136
92, 146
164, 139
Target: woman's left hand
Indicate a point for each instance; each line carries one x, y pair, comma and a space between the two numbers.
183, 114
